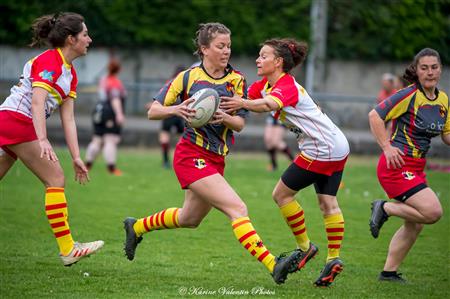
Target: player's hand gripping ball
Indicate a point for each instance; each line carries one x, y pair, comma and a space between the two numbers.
206, 102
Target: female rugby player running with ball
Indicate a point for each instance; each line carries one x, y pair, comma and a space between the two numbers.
199, 158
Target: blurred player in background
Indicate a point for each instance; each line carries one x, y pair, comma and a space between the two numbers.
323, 148
418, 113
400, 82
168, 126
108, 119
274, 141
387, 87
49, 80
199, 158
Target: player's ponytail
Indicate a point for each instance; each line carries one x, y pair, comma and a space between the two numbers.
292, 51
52, 30
410, 73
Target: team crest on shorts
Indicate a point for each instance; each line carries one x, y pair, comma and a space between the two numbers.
200, 163
408, 175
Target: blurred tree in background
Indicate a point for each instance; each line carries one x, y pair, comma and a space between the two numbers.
369, 30
388, 29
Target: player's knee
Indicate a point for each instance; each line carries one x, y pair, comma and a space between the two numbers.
329, 207
242, 209
56, 179
433, 216
278, 196
237, 210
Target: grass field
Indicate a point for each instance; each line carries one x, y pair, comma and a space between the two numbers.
207, 262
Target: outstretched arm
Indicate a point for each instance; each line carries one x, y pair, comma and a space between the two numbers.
70, 132
230, 104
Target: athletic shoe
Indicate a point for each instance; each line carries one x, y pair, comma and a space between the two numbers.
377, 218
116, 172
79, 251
131, 239
306, 256
271, 168
329, 273
285, 264
394, 277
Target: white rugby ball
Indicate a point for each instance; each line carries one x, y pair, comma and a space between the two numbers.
206, 102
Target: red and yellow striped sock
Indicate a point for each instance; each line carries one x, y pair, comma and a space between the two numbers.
247, 236
295, 218
56, 211
334, 225
165, 219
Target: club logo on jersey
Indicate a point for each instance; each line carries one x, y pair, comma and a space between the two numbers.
46, 75
408, 175
229, 87
442, 111
200, 163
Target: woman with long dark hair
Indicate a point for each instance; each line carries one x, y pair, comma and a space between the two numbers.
48, 80
418, 112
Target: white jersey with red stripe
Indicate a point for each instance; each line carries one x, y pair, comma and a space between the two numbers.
318, 137
50, 71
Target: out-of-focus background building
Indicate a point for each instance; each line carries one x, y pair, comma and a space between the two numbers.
352, 44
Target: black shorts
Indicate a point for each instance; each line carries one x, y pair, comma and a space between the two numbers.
104, 119
173, 122
297, 178
108, 127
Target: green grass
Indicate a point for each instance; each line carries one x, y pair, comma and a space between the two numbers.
208, 258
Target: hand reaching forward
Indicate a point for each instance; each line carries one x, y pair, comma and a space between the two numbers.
81, 172
47, 150
230, 104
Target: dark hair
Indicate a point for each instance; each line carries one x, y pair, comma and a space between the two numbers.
403, 82
206, 33
53, 30
292, 51
113, 66
410, 74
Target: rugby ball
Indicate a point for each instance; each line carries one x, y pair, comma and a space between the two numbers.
206, 102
